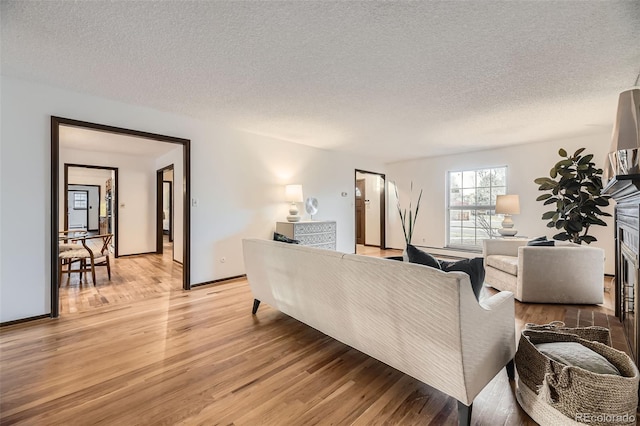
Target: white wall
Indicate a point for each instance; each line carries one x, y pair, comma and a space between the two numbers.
524, 164
237, 177
136, 196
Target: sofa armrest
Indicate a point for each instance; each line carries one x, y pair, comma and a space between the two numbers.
488, 338
506, 247
497, 301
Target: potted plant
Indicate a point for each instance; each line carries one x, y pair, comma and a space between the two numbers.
575, 188
408, 218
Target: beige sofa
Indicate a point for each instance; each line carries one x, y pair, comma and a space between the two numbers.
419, 320
566, 273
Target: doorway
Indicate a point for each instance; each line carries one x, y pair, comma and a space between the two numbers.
58, 124
164, 209
370, 209
101, 210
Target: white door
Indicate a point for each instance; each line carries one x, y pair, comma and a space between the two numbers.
78, 202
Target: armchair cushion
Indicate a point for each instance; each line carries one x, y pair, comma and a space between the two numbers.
508, 264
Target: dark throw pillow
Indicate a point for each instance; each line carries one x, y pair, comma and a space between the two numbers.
284, 239
472, 267
395, 258
422, 257
541, 242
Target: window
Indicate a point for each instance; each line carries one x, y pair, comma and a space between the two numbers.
471, 206
79, 200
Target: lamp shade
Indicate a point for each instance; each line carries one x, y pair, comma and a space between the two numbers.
293, 193
508, 204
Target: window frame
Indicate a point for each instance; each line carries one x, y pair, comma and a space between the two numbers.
80, 204
449, 209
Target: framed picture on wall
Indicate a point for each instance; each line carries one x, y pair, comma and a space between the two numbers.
80, 200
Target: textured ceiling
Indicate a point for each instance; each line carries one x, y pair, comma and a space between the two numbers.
394, 80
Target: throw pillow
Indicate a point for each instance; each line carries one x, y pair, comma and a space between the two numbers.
472, 267
422, 257
541, 242
573, 353
284, 239
395, 258
535, 240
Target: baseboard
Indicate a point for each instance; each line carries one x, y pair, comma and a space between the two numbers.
219, 281
20, 321
137, 254
178, 262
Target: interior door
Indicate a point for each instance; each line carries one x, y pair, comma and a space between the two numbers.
78, 204
360, 211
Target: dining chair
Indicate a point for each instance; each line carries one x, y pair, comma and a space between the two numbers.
87, 257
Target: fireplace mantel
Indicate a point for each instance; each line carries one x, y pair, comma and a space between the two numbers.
623, 188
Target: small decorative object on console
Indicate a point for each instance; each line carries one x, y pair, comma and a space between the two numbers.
311, 206
293, 194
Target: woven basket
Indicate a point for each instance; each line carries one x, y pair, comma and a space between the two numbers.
553, 393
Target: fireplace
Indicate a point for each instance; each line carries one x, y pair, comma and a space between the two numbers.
625, 189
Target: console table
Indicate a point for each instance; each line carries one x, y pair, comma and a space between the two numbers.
320, 234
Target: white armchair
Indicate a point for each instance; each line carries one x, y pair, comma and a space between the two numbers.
566, 273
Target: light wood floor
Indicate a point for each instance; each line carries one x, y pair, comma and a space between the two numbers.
200, 357
132, 278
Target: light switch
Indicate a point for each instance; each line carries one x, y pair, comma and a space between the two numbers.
195, 202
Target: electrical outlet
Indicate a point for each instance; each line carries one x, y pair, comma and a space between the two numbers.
223, 259
195, 202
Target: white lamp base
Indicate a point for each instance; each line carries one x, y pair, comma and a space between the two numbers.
293, 213
507, 232
507, 229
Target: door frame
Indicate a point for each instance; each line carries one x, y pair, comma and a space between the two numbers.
56, 122
115, 180
383, 208
364, 209
159, 208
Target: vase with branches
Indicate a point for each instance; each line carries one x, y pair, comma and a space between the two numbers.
408, 217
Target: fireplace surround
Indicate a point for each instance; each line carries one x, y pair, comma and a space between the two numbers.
625, 190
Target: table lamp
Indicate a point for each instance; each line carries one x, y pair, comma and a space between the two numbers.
293, 194
507, 205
